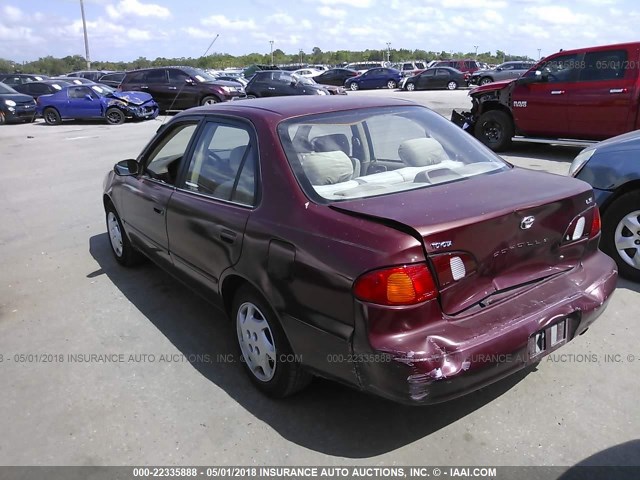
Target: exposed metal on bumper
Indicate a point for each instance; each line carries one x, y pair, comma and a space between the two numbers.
463, 119
440, 362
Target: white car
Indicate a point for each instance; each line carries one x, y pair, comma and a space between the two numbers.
307, 72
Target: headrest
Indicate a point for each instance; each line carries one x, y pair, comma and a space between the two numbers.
331, 143
327, 168
421, 152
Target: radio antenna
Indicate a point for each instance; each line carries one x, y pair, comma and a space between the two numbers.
182, 86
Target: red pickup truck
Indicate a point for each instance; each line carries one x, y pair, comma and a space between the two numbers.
572, 97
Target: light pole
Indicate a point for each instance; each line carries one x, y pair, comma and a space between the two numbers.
86, 39
476, 47
539, 50
301, 53
271, 42
388, 52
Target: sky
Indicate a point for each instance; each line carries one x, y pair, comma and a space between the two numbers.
128, 29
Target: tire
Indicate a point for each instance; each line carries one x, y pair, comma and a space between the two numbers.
51, 116
410, 86
452, 85
495, 129
121, 247
210, 100
264, 346
114, 116
354, 86
391, 84
485, 80
620, 229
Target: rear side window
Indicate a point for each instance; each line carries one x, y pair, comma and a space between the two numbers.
135, 77
156, 76
604, 65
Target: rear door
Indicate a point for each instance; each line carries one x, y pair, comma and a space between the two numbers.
207, 214
156, 82
541, 108
601, 100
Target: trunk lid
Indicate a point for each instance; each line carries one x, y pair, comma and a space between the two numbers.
485, 216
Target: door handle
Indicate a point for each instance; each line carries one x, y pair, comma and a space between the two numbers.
144, 87
159, 211
173, 88
618, 90
228, 236
271, 88
557, 92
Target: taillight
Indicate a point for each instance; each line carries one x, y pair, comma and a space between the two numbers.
578, 228
405, 285
453, 266
596, 222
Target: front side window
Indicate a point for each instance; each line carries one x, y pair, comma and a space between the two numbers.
563, 68
79, 92
163, 162
378, 151
223, 164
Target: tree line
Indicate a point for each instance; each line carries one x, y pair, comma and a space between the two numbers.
57, 66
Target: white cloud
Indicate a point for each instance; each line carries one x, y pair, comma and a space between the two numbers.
281, 19
12, 13
557, 15
137, 8
223, 22
350, 3
332, 12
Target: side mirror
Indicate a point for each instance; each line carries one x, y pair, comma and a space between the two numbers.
126, 168
293, 83
498, 69
189, 81
537, 77
88, 97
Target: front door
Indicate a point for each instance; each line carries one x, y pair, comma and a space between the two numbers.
207, 214
82, 103
541, 108
145, 197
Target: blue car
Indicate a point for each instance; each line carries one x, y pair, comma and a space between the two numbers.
375, 78
96, 101
612, 167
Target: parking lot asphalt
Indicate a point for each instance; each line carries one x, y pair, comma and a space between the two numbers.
164, 385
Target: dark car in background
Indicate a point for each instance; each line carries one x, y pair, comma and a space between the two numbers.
435, 78
179, 88
15, 106
95, 101
466, 66
335, 76
20, 78
44, 87
363, 228
279, 83
375, 78
93, 75
113, 79
504, 71
612, 167
75, 80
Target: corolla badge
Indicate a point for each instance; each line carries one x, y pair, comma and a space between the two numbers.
527, 222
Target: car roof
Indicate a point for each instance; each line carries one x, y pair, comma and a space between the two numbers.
295, 106
600, 47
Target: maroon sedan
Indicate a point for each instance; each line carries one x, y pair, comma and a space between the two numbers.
366, 240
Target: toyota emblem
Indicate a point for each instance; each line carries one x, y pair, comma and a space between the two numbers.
527, 222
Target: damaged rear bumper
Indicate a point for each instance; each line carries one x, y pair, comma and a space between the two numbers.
442, 360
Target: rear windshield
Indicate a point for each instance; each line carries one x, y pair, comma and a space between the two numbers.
378, 151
